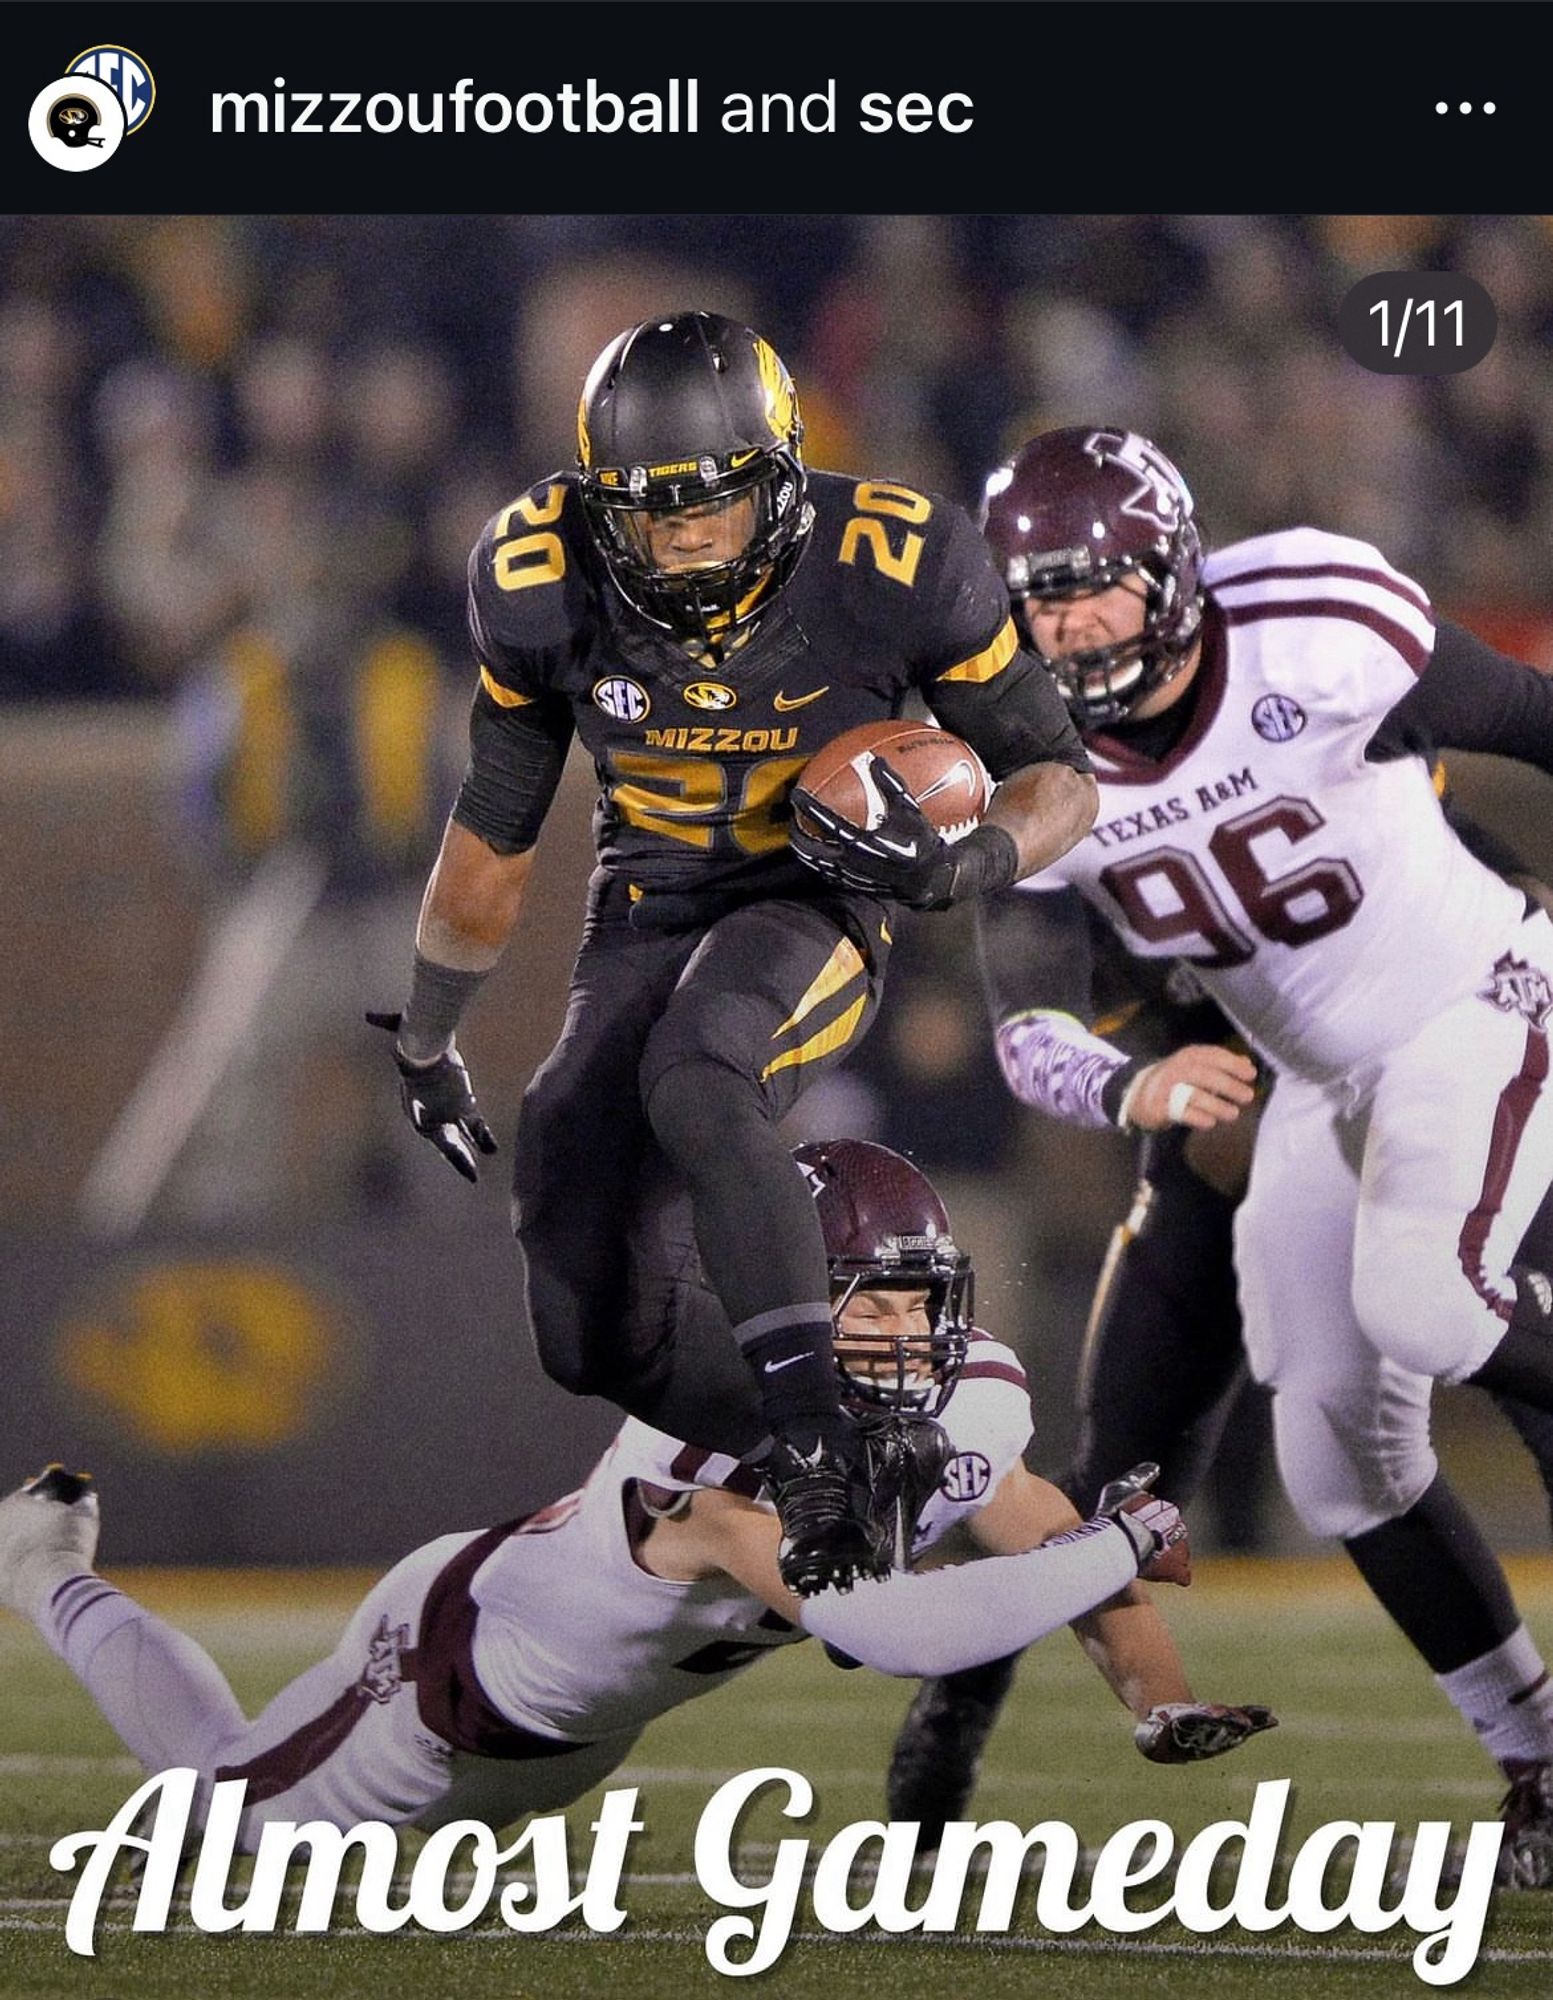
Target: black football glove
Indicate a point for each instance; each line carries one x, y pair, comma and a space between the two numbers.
440, 1104
903, 858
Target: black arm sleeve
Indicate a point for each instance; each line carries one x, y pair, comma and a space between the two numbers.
1049, 949
1033, 948
1484, 846
1470, 697
1016, 718
515, 760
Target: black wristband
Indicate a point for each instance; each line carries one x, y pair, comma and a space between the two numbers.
986, 859
438, 997
1116, 1086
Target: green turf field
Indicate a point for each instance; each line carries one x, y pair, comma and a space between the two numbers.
1364, 1735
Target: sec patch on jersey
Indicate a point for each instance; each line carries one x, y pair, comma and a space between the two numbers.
944, 775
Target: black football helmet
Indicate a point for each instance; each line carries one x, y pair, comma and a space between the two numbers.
74, 120
1077, 510
690, 411
884, 1226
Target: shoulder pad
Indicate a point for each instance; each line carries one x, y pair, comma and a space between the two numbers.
529, 576
1302, 549
1308, 572
989, 1360
840, 498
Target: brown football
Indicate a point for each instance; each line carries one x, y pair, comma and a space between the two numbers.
943, 774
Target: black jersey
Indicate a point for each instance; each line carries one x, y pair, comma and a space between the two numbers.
894, 596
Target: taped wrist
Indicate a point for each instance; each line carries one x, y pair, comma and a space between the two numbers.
943, 1621
1145, 1542
438, 996
1121, 1087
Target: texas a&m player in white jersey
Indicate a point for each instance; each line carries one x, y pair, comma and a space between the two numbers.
510, 1670
1261, 722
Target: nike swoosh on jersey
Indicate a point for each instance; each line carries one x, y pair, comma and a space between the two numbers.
776, 1367
784, 705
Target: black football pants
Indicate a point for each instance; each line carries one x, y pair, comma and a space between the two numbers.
680, 1053
1163, 1356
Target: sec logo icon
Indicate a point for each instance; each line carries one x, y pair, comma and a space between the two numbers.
966, 1477
126, 74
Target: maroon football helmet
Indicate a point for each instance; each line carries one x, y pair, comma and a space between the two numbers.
1077, 510
884, 1226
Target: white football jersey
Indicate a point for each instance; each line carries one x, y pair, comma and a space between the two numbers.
1323, 901
577, 1640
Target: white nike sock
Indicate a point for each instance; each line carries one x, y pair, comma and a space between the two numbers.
163, 1694
1507, 1697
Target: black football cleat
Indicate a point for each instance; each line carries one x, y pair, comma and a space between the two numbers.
55, 1483
48, 1529
904, 1459
828, 1542
1526, 1850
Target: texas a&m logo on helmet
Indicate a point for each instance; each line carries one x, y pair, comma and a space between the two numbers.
1159, 495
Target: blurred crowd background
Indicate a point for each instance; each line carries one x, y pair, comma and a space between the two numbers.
242, 462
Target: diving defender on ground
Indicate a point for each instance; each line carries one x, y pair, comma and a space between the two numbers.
508, 1671
704, 613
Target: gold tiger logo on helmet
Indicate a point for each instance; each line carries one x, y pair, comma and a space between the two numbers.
781, 396
584, 442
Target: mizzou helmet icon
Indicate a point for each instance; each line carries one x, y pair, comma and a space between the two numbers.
76, 123
74, 119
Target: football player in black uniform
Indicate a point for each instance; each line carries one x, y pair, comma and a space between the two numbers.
704, 613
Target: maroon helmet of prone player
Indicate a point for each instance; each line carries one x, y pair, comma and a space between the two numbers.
1078, 510
886, 1229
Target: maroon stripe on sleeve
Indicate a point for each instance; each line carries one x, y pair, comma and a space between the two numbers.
1398, 586
994, 1371
1412, 652
1516, 1102
688, 1461
68, 1615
